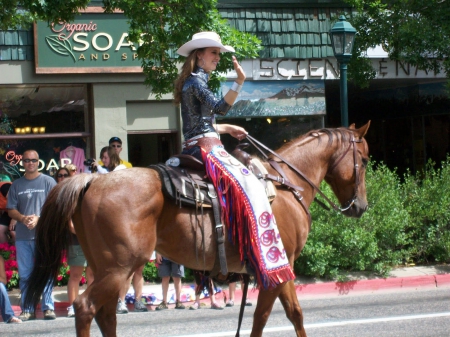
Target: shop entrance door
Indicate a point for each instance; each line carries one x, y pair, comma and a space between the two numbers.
145, 149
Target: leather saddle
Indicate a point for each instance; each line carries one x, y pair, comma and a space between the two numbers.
184, 178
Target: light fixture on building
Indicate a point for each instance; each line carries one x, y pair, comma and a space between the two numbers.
269, 120
29, 129
342, 36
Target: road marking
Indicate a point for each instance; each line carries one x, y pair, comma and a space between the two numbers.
322, 325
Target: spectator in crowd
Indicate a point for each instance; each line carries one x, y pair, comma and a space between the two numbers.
71, 168
110, 161
25, 200
203, 282
5, 220
234, 278
76, 259
5, 304
167, 269
138, 285
116, 144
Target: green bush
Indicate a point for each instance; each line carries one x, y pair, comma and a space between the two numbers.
150, 272
427, 200
407, 222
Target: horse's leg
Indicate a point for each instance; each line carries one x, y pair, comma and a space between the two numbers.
289, 300
99, 300
84, 313
266, 299
106, 318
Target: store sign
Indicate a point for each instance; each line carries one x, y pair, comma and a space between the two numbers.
93, 43
328, 69
16, 159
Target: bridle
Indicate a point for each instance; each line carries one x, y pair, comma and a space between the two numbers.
356, 169
283, 180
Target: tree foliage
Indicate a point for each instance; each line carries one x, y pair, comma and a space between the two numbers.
414, 32
158, 27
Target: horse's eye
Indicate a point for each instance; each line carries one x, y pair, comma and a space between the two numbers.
364, 161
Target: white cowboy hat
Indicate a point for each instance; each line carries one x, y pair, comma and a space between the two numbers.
203, 40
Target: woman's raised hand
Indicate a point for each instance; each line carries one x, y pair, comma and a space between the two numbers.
239, 71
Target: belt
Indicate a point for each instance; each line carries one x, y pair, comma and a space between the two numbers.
207, 134
206, 143
192, 141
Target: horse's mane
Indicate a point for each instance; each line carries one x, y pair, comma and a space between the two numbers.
342, 134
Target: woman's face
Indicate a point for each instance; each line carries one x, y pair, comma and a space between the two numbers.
105, 159
209, 58
61, 175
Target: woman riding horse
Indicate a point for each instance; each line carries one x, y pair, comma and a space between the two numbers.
244, 206
119, 228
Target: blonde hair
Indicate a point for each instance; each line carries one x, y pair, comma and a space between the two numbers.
71, 167
188, 67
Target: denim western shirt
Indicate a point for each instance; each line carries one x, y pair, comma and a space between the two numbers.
199, 105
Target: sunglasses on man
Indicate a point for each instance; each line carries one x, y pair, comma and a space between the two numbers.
62, 175
27, 161
116, 145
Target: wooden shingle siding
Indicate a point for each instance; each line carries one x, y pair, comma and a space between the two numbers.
16, 45
287, 32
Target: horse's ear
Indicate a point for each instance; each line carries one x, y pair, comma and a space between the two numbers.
352, 126
361, 132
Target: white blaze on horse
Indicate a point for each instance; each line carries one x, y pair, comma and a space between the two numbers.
122, 217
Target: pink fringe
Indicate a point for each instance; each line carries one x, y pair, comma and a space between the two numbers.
237, 214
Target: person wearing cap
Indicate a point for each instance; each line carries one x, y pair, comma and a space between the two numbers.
116, 143
235, 184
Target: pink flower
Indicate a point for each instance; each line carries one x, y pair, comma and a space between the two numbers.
64, 258
83, 280
68, 272
9, 274
10, 264
59, 278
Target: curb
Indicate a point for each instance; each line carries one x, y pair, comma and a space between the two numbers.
365, 286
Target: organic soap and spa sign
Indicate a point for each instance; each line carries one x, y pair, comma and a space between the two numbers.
93, 43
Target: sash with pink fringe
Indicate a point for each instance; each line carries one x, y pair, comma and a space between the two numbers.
248, 217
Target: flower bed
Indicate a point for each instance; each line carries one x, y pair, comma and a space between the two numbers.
12, 274
9, 254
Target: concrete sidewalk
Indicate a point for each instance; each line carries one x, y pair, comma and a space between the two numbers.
407, 278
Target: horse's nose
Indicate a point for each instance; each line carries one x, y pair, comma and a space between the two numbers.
366, 208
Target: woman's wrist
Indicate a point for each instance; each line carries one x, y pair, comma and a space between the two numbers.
236, 87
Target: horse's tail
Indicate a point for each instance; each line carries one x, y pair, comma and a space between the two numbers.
52, 234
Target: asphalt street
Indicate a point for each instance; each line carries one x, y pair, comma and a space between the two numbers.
411, 312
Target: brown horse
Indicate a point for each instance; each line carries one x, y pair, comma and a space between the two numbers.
121, 217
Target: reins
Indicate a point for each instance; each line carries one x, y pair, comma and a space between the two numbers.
284, 181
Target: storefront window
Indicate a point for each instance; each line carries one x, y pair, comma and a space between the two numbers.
53, 120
